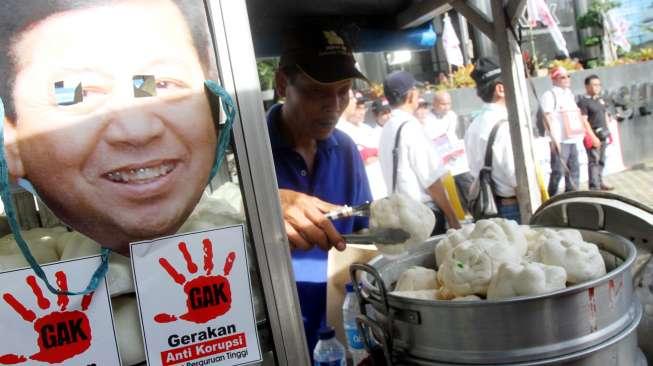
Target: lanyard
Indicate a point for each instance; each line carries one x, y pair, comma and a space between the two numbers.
225, 131
223, 141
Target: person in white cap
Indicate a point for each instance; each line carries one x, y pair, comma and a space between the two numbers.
566, 130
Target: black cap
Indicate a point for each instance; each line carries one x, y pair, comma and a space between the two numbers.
397, 84
485, 71
322, 54
380, 106
326, 332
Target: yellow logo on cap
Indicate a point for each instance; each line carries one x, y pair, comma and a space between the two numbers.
333, 38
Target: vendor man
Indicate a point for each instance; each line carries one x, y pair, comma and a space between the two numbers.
314, 162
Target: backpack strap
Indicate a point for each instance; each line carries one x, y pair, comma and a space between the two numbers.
490, 142
395, 156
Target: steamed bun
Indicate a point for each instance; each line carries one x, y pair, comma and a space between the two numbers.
416, 278
453, 238
472, 264
525, 279
399, 211
582, 261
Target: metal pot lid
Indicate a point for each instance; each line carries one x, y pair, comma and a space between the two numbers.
597, 210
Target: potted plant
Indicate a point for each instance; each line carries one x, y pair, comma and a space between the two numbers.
592, 47
266, 70
590, 25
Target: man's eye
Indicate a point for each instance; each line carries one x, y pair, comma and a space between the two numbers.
71, 93
169, 84
163, 84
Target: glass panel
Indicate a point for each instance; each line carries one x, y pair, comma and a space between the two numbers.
109, 120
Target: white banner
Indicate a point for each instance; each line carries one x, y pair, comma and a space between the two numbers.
451, 43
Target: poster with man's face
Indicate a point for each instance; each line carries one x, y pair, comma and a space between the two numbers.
106, 111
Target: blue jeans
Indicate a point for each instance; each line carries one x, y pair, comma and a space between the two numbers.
595, 165
568, 154
509, 212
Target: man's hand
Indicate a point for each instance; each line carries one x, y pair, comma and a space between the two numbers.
306, 224
596, 143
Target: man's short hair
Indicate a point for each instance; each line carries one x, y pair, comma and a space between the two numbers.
486, 92
589, 79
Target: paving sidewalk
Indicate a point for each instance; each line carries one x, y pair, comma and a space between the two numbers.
635, 183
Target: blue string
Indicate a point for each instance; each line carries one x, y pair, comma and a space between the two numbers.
225, 130
5, 194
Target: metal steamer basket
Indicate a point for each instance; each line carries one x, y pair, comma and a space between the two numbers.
593, 323
517, 330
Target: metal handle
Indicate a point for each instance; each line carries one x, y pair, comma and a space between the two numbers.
373, 328
365, 298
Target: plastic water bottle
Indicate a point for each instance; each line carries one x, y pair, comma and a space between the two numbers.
350, 310
328, 351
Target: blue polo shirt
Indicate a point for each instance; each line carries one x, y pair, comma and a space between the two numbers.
338, 177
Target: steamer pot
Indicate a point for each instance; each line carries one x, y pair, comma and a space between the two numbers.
519, 331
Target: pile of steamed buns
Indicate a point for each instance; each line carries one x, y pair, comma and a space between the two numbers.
498, 259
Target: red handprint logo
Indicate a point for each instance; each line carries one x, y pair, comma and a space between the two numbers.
61, 334
209, 296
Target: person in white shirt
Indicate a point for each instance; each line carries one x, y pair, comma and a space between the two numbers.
566, 130
489, 87
443, 121
352, 123
381, 112
419, 168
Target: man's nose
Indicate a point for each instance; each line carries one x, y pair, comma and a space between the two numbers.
133, 126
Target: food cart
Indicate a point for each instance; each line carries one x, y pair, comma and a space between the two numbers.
231, 23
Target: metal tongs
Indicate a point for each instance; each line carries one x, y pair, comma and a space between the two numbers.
376, 236
348, 211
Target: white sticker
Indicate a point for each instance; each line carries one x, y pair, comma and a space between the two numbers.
40, 328
195, 300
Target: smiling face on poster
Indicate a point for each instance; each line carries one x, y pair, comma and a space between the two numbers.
106, 111
195, 299
41, 329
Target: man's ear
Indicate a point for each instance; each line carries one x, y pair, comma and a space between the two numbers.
499, 91
281, 83
413, 97
12, 152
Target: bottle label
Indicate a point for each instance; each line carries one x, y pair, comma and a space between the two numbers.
354, 338
329, 363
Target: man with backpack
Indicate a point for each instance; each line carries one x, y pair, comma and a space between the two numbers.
566, 129
490, 127
409, 162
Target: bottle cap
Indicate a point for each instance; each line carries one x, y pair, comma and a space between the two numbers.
349, 287
327, 333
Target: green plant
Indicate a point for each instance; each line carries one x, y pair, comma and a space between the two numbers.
591, 41
589, 20
594, 15
591, 64
266, 70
